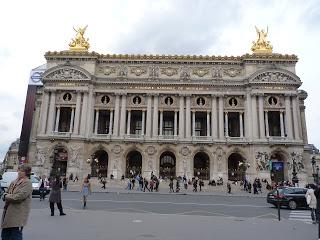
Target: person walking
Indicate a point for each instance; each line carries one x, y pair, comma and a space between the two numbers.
171, 185
43, 188
312, 202
229, 187
85, 190
17, 205
55, 195
103, 181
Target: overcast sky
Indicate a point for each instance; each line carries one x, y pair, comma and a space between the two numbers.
30, 28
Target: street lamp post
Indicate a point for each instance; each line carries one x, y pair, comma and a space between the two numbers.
313, 163
317, 175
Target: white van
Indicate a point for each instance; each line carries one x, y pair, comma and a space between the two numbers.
9, 177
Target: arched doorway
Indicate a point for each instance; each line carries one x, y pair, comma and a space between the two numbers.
60, 161
133, 163
236, 167
201, 166
99, 164
277, 161
167, 165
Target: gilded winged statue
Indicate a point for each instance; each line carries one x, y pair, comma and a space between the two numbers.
79, 43
261, 45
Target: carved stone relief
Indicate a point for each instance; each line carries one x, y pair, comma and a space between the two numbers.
169, 71
273, 77
41, 155
185, 73
67, 73
219, 154
116, 149
154, 71
75, 155
232, 72
297, 160
138, 71
262, 161
122, 71
151, 150
185, 151
107, 70
200, 72
217, 72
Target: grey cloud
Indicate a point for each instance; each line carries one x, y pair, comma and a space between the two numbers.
189, 27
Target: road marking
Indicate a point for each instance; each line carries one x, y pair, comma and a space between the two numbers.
137, 221
304, 216
266, 215
174, 203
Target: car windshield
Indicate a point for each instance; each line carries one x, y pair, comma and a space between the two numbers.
34, 179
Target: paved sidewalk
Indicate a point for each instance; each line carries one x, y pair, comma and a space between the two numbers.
119, 186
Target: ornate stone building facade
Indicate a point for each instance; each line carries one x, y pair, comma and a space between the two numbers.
205, 116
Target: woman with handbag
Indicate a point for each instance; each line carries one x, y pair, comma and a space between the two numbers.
312, 202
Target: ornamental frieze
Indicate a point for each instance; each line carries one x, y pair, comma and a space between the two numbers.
185, 73
138, 70
200, 72
122, 71
107, 70
274, 77
169, 71
154, 71
67, 74
232, 72
217, 72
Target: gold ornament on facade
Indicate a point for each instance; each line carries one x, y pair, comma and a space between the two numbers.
138, 71
200, 72
169, 71
79, 43
261, 45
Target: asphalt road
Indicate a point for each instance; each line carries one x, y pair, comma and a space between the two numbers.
131, 216
227, 206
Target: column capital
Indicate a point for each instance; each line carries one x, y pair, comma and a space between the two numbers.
260, 94
46, 90
288, 95
117, 94
266, 111
58, 106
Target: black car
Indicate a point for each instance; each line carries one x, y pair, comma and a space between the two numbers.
291, 197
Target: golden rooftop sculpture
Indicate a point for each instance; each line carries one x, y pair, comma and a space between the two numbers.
261, 45
79, 43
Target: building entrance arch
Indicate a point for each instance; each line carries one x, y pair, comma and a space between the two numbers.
167, 165
201, 166
236, 167
133, 163
277, 161
60, 161
99, 165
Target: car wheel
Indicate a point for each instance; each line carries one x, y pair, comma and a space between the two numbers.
292, 205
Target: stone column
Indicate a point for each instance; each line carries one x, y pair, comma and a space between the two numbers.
295, 118
241, 124
116, 116
221, 124
266, 123
261, 118
188, 117
89, 125
214, 115
181, 117
254, 117
281, 124
161, 122
193, 123
299, 117
143, 122
96, 122
56, 127
84, 114
226, 124
155, 116
52, 110
129, 122
77, 114
175, 123
149, 116
304, 125
72, 120
123, 116
111, 122
248, 116
44, 111
288, 115
208, 124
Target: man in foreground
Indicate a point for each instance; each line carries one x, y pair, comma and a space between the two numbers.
17, 205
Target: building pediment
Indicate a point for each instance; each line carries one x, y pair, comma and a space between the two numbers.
275, 76
66, 72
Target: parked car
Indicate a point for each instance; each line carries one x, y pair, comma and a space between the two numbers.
8, 177
291, 197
